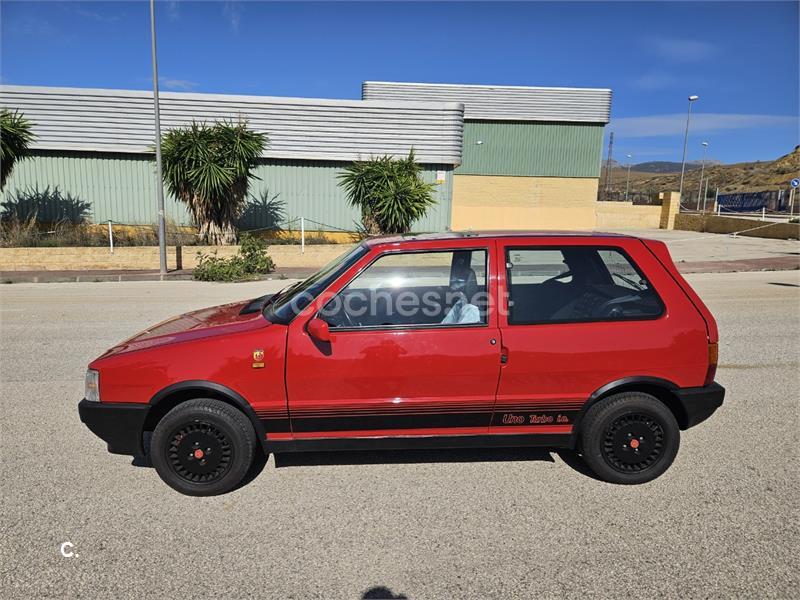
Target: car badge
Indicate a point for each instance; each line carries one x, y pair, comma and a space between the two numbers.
258, 359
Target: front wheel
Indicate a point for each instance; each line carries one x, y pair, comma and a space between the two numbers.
629, 438
203, 447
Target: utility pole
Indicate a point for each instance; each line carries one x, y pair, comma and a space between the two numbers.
628, 180
702, 171
162, 234
685, 141
608, 163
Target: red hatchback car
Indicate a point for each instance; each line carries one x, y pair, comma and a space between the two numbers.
592, 342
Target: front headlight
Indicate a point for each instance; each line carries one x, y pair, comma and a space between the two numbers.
92, 391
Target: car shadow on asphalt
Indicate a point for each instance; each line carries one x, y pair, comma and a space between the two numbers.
442, 455
381, 592
439, 455
397, 457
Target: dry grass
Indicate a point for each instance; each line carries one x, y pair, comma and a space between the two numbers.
28, 233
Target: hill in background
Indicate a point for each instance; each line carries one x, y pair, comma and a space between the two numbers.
740, 177
660, 166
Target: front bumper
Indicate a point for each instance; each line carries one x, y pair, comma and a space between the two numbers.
699, 403
119, 425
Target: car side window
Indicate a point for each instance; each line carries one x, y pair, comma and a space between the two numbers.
434, 288
576, 284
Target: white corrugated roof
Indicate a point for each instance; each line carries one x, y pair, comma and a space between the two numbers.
503, 102
86, 119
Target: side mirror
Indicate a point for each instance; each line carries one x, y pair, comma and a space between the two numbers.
319, 330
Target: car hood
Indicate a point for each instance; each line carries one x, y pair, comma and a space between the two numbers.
215, 320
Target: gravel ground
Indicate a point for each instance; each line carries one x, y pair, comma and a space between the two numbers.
722, 522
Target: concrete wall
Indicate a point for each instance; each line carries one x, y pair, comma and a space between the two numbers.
146, 257
714, 224
502, 202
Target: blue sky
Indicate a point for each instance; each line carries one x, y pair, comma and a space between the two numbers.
741, 58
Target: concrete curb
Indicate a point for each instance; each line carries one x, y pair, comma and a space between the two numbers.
9, 277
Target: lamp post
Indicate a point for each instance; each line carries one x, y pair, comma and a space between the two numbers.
628, 180
162, 244
685, 141
702, 171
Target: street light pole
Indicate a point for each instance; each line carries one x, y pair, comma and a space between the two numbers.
162, 243
685, 141
628, 180
702, 172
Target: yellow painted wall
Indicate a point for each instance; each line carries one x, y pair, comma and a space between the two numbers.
625, 215
146, 257
502, 202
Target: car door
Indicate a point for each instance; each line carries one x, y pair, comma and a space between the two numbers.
576, 315
400, 360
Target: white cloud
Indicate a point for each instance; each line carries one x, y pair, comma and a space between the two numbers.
96, 16
655, 81
231, 12
181, 85
674, 124
680, 49
173, 10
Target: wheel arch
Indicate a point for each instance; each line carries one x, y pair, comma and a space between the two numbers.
173, 395
662, 389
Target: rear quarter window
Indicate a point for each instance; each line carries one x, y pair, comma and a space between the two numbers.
572, 284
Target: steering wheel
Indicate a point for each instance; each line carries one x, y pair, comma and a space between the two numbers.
563, 275
614, 307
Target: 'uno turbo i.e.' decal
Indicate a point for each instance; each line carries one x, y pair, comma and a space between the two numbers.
549, 418
521, 414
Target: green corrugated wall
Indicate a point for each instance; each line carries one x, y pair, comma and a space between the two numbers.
121, 187
531, 149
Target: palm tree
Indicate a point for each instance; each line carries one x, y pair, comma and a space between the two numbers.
16, 136
390, 193
209, 168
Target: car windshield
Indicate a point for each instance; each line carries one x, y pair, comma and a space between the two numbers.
287, 303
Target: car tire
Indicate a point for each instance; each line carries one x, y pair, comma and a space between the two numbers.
203, 447
629, 438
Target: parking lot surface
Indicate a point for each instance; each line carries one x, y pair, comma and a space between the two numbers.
722, 522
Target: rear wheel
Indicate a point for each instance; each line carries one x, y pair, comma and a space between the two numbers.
203, 447
629, 438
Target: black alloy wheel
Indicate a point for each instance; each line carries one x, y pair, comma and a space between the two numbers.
203, 447
629, 438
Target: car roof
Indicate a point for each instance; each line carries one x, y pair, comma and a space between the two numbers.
457, 235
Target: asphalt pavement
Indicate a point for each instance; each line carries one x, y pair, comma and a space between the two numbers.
722, 522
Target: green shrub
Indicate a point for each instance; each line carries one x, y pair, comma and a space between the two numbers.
390, 193
250, 261
16, 136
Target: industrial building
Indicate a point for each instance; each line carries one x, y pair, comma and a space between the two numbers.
530, 156
502, 156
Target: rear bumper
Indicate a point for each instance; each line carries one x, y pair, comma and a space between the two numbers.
119, 425
700, 403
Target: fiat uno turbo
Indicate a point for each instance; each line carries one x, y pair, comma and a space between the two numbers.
591, 342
